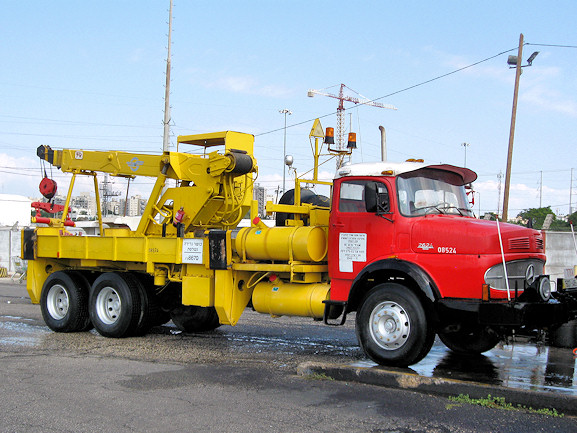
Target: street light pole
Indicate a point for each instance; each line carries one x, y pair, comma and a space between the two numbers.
284, 111
512, 131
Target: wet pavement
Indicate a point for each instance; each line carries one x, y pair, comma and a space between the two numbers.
286, 343
522, 365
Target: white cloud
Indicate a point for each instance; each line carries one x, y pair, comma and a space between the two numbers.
249, 85
550, 100
521, 197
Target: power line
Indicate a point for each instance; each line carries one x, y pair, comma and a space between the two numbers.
552, 45
399, 91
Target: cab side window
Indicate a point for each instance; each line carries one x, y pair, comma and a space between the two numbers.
352, 196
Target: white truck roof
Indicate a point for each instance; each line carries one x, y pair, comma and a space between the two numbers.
397, 168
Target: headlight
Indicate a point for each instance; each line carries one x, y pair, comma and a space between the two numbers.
544, 287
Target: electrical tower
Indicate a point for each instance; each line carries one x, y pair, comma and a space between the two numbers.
341, 108
107, 195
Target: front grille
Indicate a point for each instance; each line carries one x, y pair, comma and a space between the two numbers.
519, 243
516, 274
539, 243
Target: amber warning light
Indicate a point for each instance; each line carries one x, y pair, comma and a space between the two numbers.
330, 136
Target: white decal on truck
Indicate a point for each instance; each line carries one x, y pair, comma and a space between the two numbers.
425, 246
352, 248
192, 251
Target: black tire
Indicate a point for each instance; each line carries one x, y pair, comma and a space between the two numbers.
64, 302
151, 313
190, 318
392, 326
86, 284
472, 341
307, 196
115, 305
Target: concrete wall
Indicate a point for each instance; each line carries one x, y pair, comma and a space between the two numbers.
560, 251
14, 210
9, 247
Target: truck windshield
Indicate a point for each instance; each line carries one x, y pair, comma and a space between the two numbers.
430, 191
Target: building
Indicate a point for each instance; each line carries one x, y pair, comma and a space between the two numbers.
259, 194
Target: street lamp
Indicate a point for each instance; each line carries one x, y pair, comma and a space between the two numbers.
516, 61
284, 111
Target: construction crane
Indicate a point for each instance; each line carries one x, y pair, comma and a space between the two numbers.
341, 109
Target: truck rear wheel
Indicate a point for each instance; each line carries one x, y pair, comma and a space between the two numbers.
115, 305
151, 311
473, 341
392, 326
64, 302
190, 318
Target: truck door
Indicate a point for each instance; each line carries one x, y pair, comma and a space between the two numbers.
357, 235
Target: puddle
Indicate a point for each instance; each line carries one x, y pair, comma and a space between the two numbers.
26, 335
520, 365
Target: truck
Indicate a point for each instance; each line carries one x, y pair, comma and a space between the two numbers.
396, 244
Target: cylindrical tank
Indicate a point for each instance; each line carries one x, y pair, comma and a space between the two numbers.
282, 243
278, 298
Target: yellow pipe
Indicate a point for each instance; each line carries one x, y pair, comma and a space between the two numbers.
68, 198
98, 209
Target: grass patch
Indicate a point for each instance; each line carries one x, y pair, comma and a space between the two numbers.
319, 376
499, 403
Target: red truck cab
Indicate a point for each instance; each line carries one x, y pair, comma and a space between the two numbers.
407, 254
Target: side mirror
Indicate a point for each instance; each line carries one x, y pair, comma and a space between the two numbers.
371, 197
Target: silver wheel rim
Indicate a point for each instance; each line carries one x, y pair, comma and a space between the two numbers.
390, 325
108, 305
57, 302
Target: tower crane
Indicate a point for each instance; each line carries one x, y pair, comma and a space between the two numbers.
341, 109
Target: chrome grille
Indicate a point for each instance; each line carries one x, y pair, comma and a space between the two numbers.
516, 273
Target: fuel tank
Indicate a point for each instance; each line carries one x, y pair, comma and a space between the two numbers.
278, 298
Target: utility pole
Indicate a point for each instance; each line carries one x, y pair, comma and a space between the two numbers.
541, 191
166, 133
571, 194
499, 176
512, 131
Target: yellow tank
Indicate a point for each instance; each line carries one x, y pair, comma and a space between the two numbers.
278, 298
282, 243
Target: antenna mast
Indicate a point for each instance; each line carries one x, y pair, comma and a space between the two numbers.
166, 134
341, 111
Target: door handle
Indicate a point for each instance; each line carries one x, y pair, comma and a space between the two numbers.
338, 225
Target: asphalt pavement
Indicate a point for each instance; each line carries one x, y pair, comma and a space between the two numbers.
523, 372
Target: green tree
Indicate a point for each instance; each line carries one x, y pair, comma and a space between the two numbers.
573, 218
536, 216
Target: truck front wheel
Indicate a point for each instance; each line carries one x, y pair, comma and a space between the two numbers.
392, 326
64, 302
115, 305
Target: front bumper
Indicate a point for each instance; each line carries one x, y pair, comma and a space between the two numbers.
513, 314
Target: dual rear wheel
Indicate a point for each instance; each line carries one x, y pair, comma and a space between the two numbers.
116, 304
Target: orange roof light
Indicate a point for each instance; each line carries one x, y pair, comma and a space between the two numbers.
352, 144
330, 136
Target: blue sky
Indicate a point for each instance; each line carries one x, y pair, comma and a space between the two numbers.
90, 75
